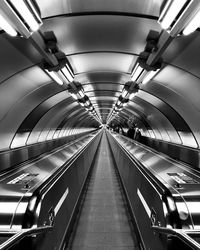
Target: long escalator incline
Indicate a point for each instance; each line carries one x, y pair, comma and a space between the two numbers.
104, 222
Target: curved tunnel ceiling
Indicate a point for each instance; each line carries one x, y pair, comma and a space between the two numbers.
102, 41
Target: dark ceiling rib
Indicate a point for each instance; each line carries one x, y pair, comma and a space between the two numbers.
102, 71
103, 91
64, 121
171, 114
103, 51
139, 114
184, 70
37, 113
103, 13
58, 107
102, 82
18, 72
172, 118
126, 114
64, 115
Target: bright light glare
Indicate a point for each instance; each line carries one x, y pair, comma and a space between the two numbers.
124, 93
67, 74
131, 96
136, 72
171, 12
74, 96
24, 11
7, 27
55, 77
81, 93
118, 102
149, 76
193, 24
87, 103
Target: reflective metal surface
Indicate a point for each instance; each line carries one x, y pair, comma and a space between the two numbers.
164, 192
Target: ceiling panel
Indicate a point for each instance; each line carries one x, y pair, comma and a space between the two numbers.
89, 62
181, 82
82, 34
52, 7
108, 86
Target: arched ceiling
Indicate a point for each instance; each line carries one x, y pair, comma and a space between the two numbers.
102, 41
102, 38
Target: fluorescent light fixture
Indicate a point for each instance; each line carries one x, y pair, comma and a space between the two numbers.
55, 77
193, 24
136, 72
131, 96
28, 13
149, 76
124, 93
74, 96
4, 24
67, 74
170, 12
118, 102
91, 108
81, 93
87, 103
22, 15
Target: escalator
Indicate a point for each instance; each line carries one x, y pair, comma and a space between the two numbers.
103, 221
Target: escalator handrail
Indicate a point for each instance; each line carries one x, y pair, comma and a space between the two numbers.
19, 235
182, 234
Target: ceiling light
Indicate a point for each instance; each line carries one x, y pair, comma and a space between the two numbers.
81, 93
170, 12
149, 76
193, 24
125, 104
81, 103
180, 15
7, 27
67, 73
23, 15
74, 96
87, 103
118, 102
136, 72
55, 77
131, 96
28, 13
124, 93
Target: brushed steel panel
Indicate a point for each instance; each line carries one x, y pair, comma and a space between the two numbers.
50, 8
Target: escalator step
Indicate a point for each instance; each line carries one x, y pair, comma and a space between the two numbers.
103, 222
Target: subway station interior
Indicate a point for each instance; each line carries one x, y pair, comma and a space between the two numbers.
99, 124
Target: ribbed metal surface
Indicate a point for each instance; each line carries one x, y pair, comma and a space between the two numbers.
103, 222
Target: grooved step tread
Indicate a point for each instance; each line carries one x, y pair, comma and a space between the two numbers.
103, 223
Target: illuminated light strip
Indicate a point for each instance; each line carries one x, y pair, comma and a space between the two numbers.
136, 72
74, 96
62, 199
149, 76
148, 210
24, 11
170, 12
132, 95
54, 76
7, 27
67, 74
192, 25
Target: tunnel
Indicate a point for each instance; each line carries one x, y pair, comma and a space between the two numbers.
99, 124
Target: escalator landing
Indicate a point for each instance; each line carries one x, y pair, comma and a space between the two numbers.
103, 222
